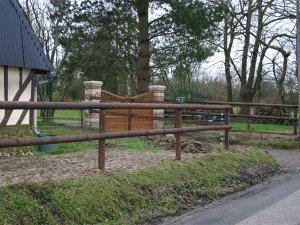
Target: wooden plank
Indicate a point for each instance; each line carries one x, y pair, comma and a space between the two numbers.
123, 119
142, 123
116, 122
20, 77
5, 83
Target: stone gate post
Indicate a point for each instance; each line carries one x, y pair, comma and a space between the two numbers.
159, 96
92, 91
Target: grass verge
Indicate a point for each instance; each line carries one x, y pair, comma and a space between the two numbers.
47, 127
293, 144
16, 132
131, 198
260, 127
67, 114
256, 127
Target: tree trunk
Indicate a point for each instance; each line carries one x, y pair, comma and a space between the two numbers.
246, 47
256, 47
132, 85
246, 94
227, 52
143, 64
123, 84
281, 89
259, 75
247, 91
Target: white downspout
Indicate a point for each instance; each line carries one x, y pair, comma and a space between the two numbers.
35, 127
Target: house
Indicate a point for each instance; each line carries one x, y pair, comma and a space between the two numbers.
21, 59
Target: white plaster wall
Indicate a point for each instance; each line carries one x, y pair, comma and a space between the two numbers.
13, 87
26, 95
1, 90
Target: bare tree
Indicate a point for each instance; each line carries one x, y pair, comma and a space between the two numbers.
39, 17
256, 25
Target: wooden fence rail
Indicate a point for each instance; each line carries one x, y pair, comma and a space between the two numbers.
102, 135
248, 116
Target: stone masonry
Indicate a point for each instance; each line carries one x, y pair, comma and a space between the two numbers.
93, 90
159, 96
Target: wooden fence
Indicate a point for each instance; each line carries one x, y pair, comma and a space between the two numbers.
127, 119
103, 134
248, 108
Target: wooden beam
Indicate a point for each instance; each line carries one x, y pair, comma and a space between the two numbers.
20, 77
5, 83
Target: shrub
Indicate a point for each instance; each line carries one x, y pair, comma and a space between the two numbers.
274, 112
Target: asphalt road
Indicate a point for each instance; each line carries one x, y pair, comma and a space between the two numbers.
275, 201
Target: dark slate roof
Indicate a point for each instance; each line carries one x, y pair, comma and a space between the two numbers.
19, 46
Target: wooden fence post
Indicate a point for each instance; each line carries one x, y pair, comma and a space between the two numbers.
296, 120
129, 117
178, 123
101, 152
248, 119
81, 118
226, 139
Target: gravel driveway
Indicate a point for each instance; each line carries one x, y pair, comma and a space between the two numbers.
36, 168
289, 159
40, 168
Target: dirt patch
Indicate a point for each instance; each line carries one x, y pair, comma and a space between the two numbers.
246, 136
189, 145
256, 173
237, 137
18, 170
193, 146
167, 141
40, 168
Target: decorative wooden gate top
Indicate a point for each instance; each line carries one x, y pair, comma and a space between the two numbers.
128, 119
107, 96
122, 120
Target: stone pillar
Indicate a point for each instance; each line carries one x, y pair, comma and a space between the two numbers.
92, 91
159, 96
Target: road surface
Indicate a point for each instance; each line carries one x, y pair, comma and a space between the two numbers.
273, 202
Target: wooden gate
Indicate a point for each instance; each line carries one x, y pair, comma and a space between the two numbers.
128, 119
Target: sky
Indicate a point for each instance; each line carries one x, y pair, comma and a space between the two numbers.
215, 64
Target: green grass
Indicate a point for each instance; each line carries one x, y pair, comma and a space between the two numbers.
72, 146
67, 114
125, 143
293, 144
16, 132
135, 144
130, 198
46, 123
258, 127
47, 127
261, 127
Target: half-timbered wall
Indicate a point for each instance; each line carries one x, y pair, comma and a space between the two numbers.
15, 85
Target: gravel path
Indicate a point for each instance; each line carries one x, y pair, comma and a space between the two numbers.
78, 164
71, 123
289, 159
40, 168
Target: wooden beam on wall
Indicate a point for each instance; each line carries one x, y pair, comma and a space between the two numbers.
5, 83
20, 77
